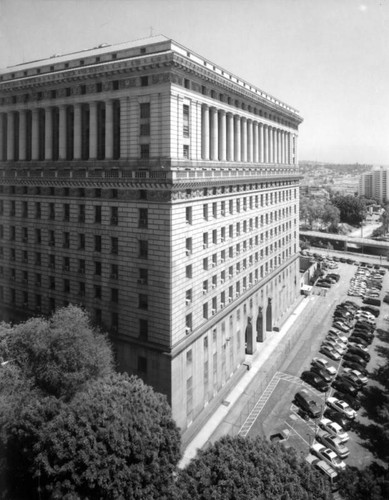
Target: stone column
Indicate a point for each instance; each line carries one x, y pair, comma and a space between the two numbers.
93, 130
35, 134
255, 143
77, 132
10, 135
278, 146
1, 136
249, 140
22, 135
288, 146
261, 143
109, 129
48, 133
62, 133
205, 132
265, 143
237, 139
243, 141
230, 137
222, 136
214, 134
271, 157
274, 144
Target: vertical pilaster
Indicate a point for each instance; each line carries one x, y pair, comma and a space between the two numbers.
266, 143
230, 137
22, 135
237, 138
2, 137
109, 129
48, 133
205, 132
35, 134
243, 141
62, 133
255, 143
249, 140
10, 135
93, 130
271, 151
261, 143
222, 136
77, 132
214, 134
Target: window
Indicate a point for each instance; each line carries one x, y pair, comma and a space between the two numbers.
143, 218
143, 276
185, 121
12, 233
205, 310
188, 323
51, 238
52, 282
98, 214
38, 211
81, 241
51, 211
97, 243
24, 234
81, 213
145, 129
97, 291
188, 271
66, 212
188, 297
143, 249
114, 271
188, 215
97, 268
114, 321
205, 263
24, 209
142, 364
66, 239
114, 245
81, 289
205, 287
145, 151
81, 266
38, 279
144, 81
205, 211
214, 210
214, 236
25, 257
66, 264
145, 110
143, 329
114, 216
188, 246
143, 301
185, 151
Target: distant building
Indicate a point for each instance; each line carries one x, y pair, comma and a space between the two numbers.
375, 184
160, 192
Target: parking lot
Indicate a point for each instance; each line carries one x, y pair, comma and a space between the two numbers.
279, 413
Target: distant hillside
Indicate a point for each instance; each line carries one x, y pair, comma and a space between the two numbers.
341, 168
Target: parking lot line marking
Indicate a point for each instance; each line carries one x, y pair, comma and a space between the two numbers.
297, 434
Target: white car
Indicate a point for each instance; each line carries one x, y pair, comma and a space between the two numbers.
334, 429
328, 456
358, 374
323, 363
342, 407
339, 334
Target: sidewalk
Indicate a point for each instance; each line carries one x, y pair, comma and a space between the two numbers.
222, 411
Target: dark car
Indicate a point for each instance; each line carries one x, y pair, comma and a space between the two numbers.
359, 340
323, 284
337, 417
352, 401
315, 381
335, 258
359, 352
363, 335
355, 366
303, 400
334, 275
341, 384
364, 325
353, 357
343, 260
372, 301
352, 379
322, 373
372, 310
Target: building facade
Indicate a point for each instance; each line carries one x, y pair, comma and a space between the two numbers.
158, 191
375, 184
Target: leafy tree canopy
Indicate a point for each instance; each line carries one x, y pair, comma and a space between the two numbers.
352, 209
57, 355
236, 467
371, 483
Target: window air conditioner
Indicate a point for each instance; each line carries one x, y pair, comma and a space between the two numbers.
213, 311
188, 330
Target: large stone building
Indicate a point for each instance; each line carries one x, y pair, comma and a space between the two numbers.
375, 184
159, 191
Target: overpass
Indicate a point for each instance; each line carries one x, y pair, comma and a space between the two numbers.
347, 240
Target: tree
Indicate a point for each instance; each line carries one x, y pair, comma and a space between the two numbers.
371, 483
244, 468
352, 209
331, 216
105, 436
58, 355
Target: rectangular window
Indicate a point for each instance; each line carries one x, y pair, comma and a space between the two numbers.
66, 212
188, 215
25, 235
97, 243
97, 268
143, 249
143, 276
38, 211
66, 239
81, 289
114, 245
24, 209
188, 271
143, 218
51, 238
81, 213
185, 120
214, 210
145, 151
214, 236
81, 266
51, 211
66, 264
114, 216
188, 246
81, 241
145, 110
114, 271
143, 329
98, 214
205, 310
142, 364
143, 301
205, 211
188, 297
145, 129
185, 151
12, 233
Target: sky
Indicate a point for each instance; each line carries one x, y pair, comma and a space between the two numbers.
327, 58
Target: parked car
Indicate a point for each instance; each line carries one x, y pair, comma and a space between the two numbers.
359, 352
344, 385
359, 334
323, 363
337, 417
352, 401
328, 456
348, 356
341, 326
342, 407
353, 379
357, 373
303, 400
333, 345
315, 381
373, 310
372, 301
354, 366
333, 443
322, 372
330, 352
334, 429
